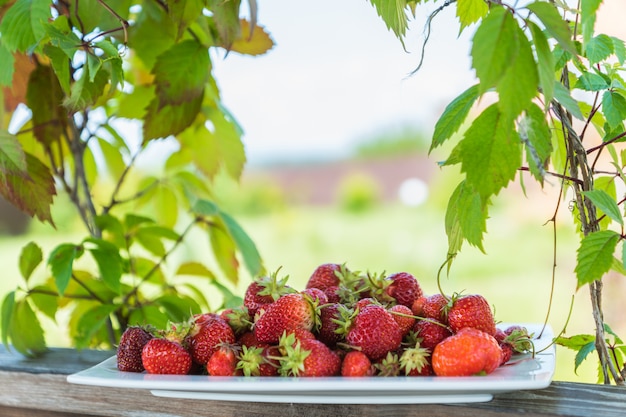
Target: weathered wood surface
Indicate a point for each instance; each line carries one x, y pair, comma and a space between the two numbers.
38, 388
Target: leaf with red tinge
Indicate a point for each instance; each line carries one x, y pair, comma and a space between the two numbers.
32, 194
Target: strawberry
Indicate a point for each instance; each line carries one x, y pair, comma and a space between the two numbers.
129, 350
468, 352
317, 295
404, 317
328, 275
430, 332
329, 315
164, 356
414, 361
289, 312
434, 307
223, 362
356, 363
206, 336
265, 290
471, 311
404, 288
238, 318
418, 306
307, 358
389, 365
259, 361
374, 331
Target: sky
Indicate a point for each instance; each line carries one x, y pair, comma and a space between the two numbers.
337, 76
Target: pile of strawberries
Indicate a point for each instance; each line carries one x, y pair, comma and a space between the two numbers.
343, 323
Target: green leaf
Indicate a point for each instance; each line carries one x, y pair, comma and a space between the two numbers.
23, 24
113, 157
112, 229
41, 296
91, 322
61, 261
61, 66
93, 15
133, 220
195, 269
619, 49
205, 208
109, 261
149, 314
224, 250
165, 200
226, 19
490, 152
534, 127
25, 330
471, 11
590, 81
393, 14
141, 39
519, 84
588, 10
576, 342
614, 108
181, 72
245, 245
562, 95
30, 258
85, 93
12, 156
472, 215
8, 308
554, 24
7, 63
452, 223
583, 353
178, 307
545, 63
184, 13
227, 139
453, 116
494, 47
602, 200
595, 256
163, 121
598, 48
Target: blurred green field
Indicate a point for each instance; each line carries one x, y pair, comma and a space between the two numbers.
515, 274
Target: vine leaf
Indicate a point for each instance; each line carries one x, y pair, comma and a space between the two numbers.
554, 24
602, 200
21, 26
453, 116
183, 13
494, 47
589, 81
32, 194
6, 70
30, 257
393, 13
12, 156
588, 10
490, 152
25, 330
471, 11
598, 48
545, 62
583, 344
539, 145
563, 96
44, 97
595, 256
91, 322
256, 43
614, 108
61, 261
109, 261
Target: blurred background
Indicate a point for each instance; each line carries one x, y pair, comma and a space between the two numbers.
337, 136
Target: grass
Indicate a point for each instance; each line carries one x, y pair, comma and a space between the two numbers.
515, 275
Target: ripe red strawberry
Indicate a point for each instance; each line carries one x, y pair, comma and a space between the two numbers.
404, 317
129, 350
434, 307
317, 295
289, 312
374, 331
329, 315
265, 290
468, 352
163, 356
471, 311
418, 306
430, 332
206, 336
507, 352
308, 358
223, 362
326, 275
404, 288
356, 363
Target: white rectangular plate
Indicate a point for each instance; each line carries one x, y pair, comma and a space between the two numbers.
522, 373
